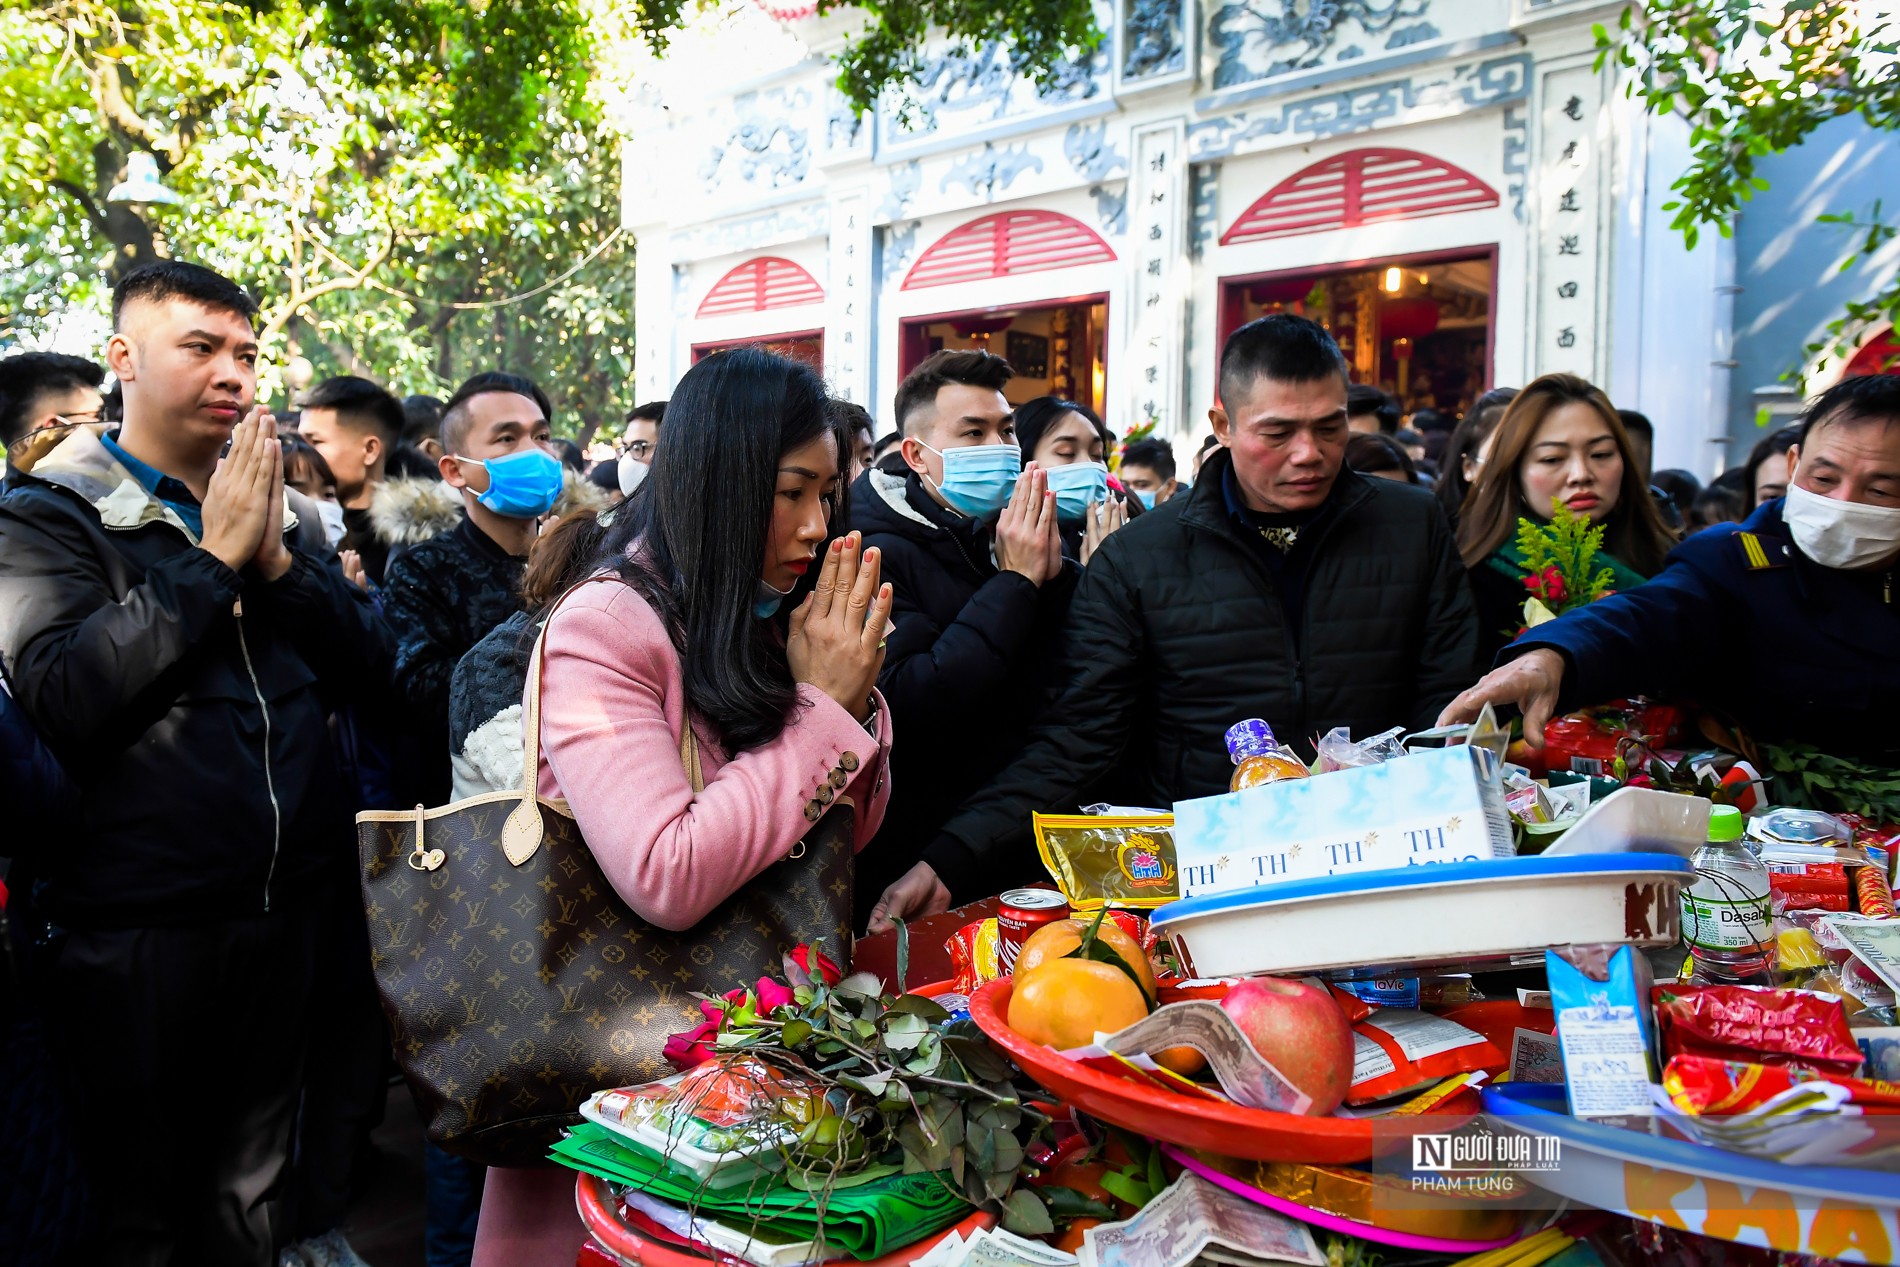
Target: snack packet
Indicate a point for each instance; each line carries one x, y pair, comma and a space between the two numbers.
975, 952
1873, 896
1703, 1084
1398, 1050
1758, 1024
1099, 859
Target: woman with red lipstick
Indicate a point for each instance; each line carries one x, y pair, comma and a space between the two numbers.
1559, 443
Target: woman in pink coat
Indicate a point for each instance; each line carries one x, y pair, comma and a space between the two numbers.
684, 626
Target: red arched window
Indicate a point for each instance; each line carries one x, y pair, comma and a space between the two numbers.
1006, 243
1361, 187
756, 285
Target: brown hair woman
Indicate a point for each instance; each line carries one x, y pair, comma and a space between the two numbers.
1559, 443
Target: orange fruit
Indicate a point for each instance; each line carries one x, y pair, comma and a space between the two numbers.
1063, 1002
1055, 941
1075, 1235
1182, 1060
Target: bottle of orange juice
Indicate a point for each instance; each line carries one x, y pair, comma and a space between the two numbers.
1259, 758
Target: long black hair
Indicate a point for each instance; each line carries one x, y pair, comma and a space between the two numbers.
693, 535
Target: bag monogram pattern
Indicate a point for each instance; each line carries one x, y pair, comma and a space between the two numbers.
515, 991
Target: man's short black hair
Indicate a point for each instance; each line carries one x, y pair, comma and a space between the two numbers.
1156, 455
1678, 485
455, 413
654, 411
1862, 398
974, 368
1283, 347
1637, 424
851, 415
1364, 398
360, 405
175, 279
421, 419
26, 376
571, 456
1370, 454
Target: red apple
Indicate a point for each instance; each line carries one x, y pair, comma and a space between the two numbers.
1300, 1031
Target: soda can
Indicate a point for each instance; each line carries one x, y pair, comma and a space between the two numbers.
1022, 913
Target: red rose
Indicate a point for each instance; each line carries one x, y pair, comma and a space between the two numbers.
692, 1048
774, 995
830, 972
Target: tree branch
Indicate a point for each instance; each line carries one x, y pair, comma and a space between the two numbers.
354, 279
84, 199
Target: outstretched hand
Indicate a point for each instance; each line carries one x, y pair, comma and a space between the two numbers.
1532, 682
917, 893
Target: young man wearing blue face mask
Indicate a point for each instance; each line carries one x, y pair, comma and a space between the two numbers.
444, 595
1148, 472
971, 548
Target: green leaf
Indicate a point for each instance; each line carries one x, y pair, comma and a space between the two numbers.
1025, 1215
917, 1005
903, 1032
1126, 1187
859, 985
903, 956
795, 1033
1069, 1203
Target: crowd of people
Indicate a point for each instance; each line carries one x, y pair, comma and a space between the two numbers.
222, 635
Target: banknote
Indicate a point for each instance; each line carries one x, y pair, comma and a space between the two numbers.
1875, 942
1188, 1217
997, 1248
1205, 1026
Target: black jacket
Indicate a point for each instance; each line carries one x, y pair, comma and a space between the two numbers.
1177, 632
963, 669
188, 703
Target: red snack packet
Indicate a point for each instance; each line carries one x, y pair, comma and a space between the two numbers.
1756, 1024
1400, 1050
1872, 894
1705, 1085
974, 957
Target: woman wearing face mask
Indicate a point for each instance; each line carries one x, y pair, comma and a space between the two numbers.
726, 605
1559, 443
1069, 442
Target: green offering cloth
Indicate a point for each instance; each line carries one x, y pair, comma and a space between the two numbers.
865, 1221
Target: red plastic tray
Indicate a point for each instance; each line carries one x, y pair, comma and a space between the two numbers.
600, 1212
1230, 1129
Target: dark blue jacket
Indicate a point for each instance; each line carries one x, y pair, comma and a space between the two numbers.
1742, 623
39, 796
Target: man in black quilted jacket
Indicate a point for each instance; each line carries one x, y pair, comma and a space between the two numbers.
180, 653
1282, 586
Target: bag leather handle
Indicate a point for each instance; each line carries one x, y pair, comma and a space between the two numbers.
521, 833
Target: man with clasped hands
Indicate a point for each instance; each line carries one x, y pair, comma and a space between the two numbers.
181, 656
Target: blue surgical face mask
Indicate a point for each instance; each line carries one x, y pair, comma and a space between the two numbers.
521, 485
1078, 486
768, 600
1146, 496
978, 478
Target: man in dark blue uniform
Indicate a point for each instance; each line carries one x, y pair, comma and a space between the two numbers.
1785, 624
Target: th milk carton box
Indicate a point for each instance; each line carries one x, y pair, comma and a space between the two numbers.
1442, 805
1604, 1031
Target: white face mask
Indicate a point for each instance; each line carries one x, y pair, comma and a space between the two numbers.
632, 472
1841, 534
331, 513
